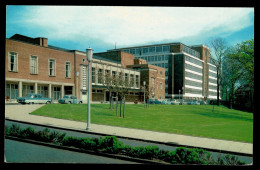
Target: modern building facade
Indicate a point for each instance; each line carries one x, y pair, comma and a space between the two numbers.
189, 72
34, 66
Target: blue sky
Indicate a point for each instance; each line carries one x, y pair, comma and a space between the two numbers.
100, 27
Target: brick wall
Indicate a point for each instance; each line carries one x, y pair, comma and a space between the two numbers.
25, 50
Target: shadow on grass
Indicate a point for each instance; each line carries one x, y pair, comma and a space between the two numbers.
222, 113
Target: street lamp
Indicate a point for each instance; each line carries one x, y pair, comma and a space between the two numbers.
89, 53
77, 76
144, 92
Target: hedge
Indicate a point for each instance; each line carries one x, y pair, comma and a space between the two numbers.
110, 144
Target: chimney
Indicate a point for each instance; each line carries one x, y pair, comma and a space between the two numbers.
41, 41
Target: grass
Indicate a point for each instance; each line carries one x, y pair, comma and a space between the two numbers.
195, 120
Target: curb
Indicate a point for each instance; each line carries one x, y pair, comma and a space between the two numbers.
74, 149
137, 139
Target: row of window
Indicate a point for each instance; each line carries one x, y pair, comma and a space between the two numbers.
11, 90
155, 58
193, 83
193, 76
212, 74
212, 87
194, 61
214, 81
164, 65
211, 93
193, 91
98, 77
193, 68
146, 50
212, 68
33, 65
190, 51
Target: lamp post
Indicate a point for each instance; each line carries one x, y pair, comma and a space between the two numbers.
77, 77
89, 53
179, 94
144, 92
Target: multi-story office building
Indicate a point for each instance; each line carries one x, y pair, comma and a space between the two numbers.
189, 73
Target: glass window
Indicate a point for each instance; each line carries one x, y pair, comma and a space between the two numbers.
13, 62
100, 76
166, 48
137, 81
159, 58
155, 58
145, 50
138, 51
159, 49
126, 50
33, 65
93, 75
67, 71
132, 51
51, 67
151, 49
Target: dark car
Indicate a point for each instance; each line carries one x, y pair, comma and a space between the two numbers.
154, 101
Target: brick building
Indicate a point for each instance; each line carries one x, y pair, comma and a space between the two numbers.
154, 77
34, 66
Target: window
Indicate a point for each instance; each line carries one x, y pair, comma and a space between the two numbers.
166, 48
132, 51
137, 81
126, 77
100, 76
93, 75
67, 70
159, 49
27, 89
52, 67
160, 86
131, 80
151, 49
34, 65
159, 58
13, 57
145, 50
153, 82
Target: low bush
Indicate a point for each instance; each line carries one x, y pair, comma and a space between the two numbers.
110, 144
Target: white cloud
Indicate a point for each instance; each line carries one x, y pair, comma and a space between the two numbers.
133, 25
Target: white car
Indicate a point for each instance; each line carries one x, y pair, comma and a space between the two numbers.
175, 102
70, 99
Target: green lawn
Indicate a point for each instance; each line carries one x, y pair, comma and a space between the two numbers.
195, 120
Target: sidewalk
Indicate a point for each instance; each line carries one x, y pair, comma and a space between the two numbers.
207, 143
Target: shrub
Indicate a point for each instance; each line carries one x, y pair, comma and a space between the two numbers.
184, 155
110, 144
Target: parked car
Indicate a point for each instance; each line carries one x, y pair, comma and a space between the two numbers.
193, 102
166, 101
202, 102
33, 99
154, 101
70, 99
190, 102
175, 102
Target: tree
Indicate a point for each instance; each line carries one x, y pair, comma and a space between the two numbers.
232, 73
243, 55
238, 70
217, 52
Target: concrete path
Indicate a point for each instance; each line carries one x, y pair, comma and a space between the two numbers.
21, 113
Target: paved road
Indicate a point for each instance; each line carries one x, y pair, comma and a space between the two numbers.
129, 142
20, 152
